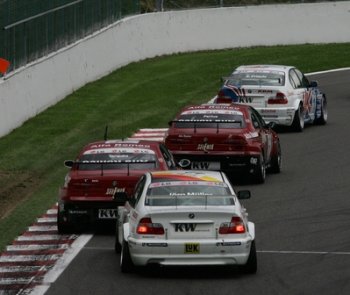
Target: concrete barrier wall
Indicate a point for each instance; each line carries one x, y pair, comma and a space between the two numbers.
30, 90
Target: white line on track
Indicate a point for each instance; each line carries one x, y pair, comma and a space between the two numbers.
41, 238
16, 269
46, 219
61, 264
36, 247
304, 252
42, 228
329, 71
23, 258
51, 211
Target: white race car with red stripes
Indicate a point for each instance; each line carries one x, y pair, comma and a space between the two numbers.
281, 94
185, 217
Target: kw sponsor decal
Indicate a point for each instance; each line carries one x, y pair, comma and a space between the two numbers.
245, 99
185, 227
201, 165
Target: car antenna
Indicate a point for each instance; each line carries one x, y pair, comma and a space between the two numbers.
106, 133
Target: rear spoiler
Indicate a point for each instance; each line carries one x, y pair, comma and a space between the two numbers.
70, 163
205, 121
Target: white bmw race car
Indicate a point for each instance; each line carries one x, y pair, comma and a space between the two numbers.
185, 217
281, 94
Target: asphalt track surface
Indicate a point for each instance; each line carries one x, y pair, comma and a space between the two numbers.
302, 219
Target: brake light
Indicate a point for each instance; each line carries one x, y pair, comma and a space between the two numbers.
279, 99
147, 227
236, 226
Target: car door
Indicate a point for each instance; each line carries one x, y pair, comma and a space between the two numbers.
300, 90
264, 133
310, 95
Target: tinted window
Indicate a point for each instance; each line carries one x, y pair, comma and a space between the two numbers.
304, 81
294, 79
273, 78
218, 121
257, 120
115, 161
169, 159
188, 193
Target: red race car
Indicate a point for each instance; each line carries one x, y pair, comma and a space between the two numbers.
101, 170
229, 137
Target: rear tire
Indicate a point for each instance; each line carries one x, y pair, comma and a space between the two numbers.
251, 266
322, 120
126, 264
276, 160
63, 227
260, 174
298, 121
117, 246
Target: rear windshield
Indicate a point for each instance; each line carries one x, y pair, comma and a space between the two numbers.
213, 120
189, 193
256, 78
118, 159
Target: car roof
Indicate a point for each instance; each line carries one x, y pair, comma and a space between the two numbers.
264, 67
187, 175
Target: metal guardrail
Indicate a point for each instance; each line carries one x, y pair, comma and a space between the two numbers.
32, 29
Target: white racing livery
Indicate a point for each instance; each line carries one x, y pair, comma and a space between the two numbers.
281, 94
183, 218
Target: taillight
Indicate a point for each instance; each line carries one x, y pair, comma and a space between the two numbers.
236, 226
147, 227
279, 99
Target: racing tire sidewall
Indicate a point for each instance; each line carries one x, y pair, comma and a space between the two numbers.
260, 174
322, 120
298, 121
126, 264
251, 265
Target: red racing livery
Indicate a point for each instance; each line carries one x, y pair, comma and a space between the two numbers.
101, 170
229, 137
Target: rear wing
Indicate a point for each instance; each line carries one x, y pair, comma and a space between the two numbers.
197, 122
102, 163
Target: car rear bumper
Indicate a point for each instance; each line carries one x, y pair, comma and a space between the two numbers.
87, 213
230, 164
172, 252
280, 116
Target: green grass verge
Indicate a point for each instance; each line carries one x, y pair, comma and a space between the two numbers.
140, 95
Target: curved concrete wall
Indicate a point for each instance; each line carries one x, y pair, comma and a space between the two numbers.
28, 91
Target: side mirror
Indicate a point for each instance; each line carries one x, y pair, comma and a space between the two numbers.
169, 123
243, 195
313, 84
68, 163
120, 198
